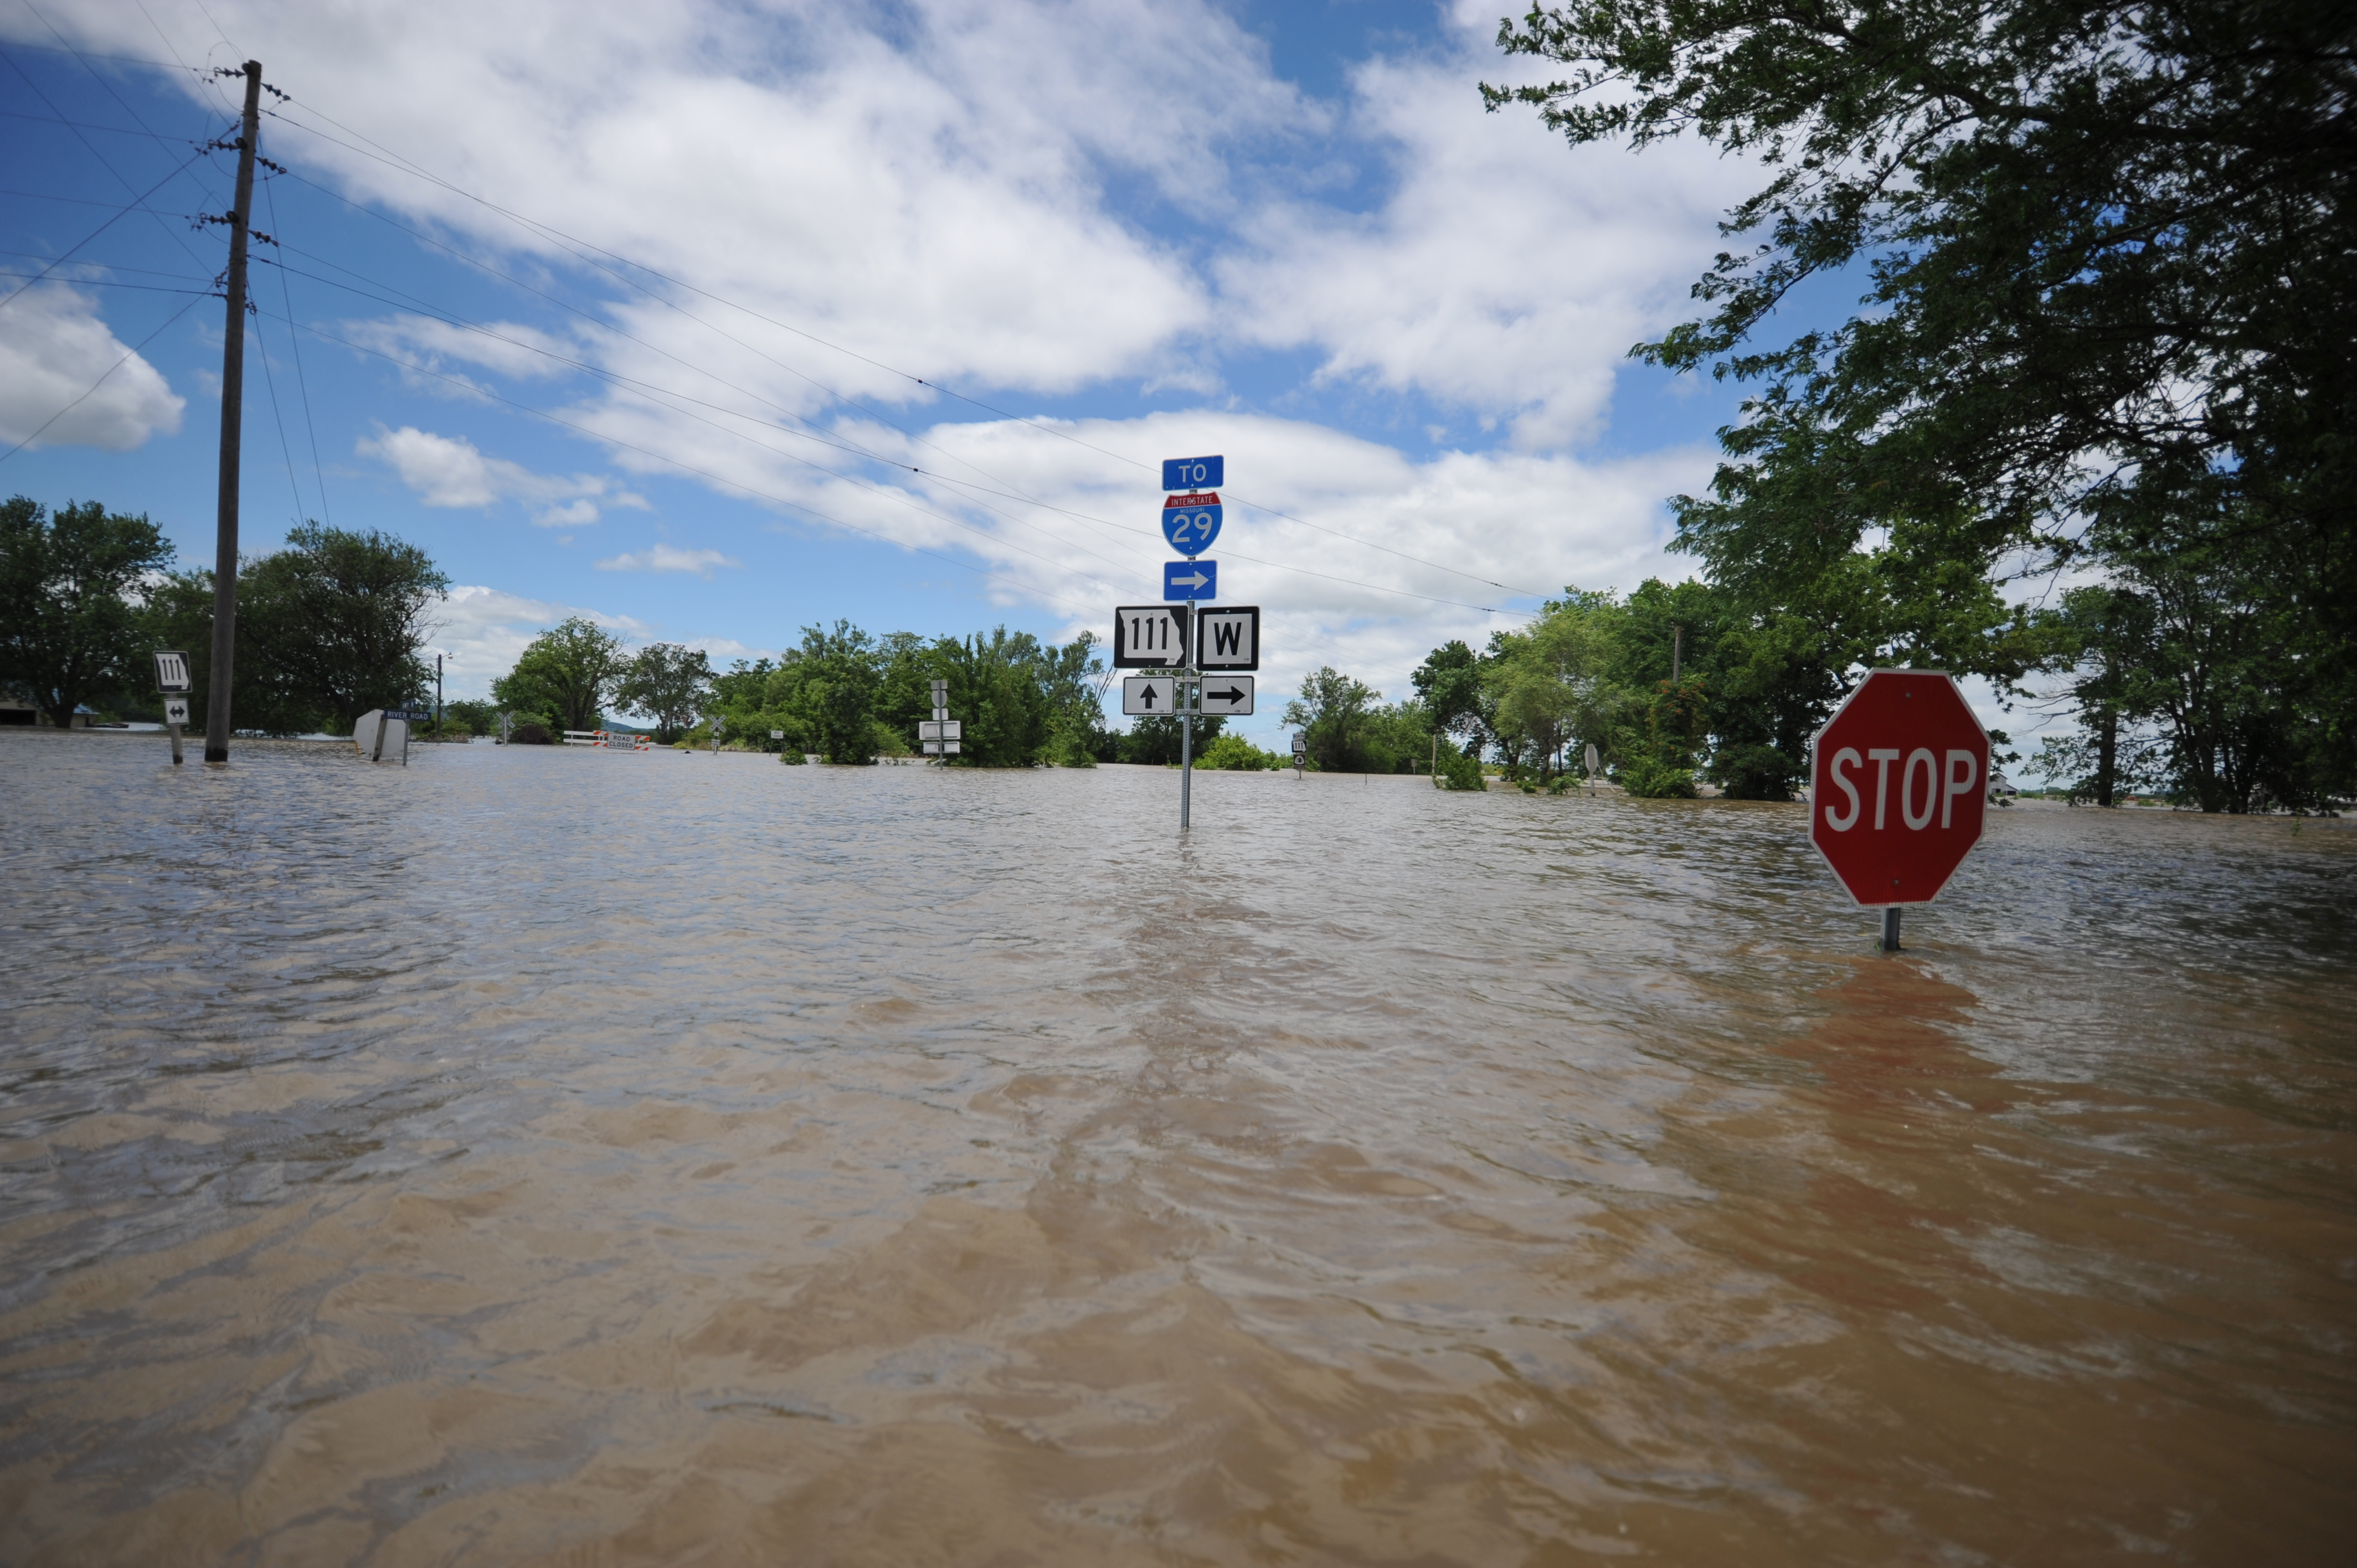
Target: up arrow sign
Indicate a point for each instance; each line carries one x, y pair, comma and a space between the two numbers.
1190, 580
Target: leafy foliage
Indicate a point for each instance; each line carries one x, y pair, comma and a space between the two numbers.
668, 682
69, 631
566, 677
2106, 253
328, 627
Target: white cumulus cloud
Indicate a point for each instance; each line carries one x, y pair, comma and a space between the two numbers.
669, 558
62, 367
449, 471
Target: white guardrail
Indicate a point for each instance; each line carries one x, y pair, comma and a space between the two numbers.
609, 740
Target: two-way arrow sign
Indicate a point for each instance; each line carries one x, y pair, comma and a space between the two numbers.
1230, 694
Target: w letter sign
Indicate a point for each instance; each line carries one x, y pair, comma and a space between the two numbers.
1898, 786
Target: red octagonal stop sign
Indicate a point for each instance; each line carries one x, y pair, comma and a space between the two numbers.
1899, 786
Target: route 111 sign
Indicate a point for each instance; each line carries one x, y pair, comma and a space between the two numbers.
1150, 636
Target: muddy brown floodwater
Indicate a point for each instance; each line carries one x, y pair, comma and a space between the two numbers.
535, 1155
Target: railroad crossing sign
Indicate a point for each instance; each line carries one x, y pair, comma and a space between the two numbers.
1194, 473
1229, 695
1190, 579
1898, 787
1150, 636
1192, 522
171, 670
1149, 694
1231, 638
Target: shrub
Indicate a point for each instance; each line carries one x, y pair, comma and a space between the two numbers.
792, 757
1236, 753
1458, 771
529, 733
1654, 780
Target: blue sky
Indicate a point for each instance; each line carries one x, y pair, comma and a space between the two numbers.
623, 311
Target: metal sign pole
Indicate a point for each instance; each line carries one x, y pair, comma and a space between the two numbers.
1890, 928
1186, 724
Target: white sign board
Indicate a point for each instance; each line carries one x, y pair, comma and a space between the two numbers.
378, 735
1146, 694
940, 729
941, 748
1148, 635
1231, 638
776, 734
171, 670
176, 709
1230, 694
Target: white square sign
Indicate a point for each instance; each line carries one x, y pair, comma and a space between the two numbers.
171, 670
176, 709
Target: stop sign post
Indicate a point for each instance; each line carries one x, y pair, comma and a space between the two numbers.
1899, 789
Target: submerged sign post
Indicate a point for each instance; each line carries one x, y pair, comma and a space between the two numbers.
172, 680
1184, 635
1899, 789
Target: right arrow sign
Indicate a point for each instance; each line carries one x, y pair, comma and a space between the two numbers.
1230, 694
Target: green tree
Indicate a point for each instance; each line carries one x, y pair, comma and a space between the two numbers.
1454, 695
69, 628
831, 683
1335, 715
671, 684
1551, 685
336, 622
567, 676
2104, 248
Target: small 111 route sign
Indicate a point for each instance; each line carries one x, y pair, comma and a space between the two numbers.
1899, 788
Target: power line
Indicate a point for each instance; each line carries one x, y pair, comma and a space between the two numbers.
302, 380
135, 206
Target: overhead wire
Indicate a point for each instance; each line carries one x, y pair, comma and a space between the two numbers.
302, 380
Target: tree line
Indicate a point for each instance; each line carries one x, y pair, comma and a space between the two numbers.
328, 627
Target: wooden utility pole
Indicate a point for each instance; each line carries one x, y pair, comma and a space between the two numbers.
217, 715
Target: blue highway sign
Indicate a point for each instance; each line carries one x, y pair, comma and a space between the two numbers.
1190, 579
1194, 473
1192, 522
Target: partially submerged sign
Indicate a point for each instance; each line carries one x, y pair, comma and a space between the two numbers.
1898, 787
171, 670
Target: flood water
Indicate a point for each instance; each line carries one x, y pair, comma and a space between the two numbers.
534, 1155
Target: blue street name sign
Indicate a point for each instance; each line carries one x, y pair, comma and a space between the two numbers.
1190, 579
1192, 522
1194, 473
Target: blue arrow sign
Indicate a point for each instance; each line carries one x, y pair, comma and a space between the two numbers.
1194, 473
1192, 522
1190, 579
